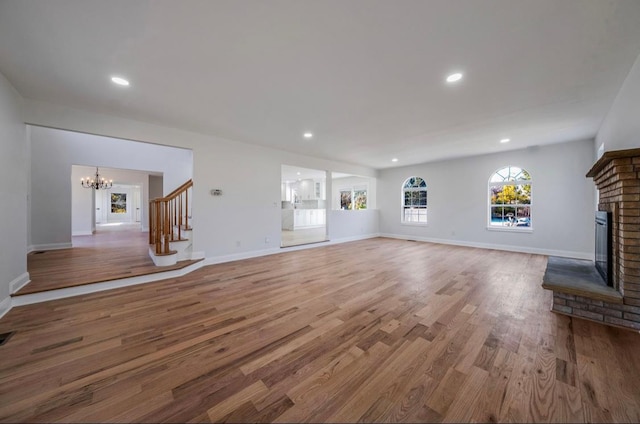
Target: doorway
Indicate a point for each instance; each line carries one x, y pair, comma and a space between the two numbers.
303, 206
119, 205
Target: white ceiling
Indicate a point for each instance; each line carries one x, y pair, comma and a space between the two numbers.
365, 76
294, 173
118, 175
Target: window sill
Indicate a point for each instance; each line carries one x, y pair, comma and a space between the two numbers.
414, 224
511, 229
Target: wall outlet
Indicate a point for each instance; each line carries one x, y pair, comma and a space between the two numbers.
238, 243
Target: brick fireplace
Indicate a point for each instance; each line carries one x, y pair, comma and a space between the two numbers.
617, 177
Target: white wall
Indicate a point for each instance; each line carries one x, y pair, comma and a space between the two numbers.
249, 176
53, 152
82, 203
562, 200
621, 127
353, 224
13, 192
155, 186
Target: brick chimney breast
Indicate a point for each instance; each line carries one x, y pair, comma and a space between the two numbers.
617, 177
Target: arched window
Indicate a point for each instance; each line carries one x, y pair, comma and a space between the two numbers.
510, 198
414, 201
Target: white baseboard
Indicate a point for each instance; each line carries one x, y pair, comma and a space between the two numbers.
5, 306
19, 282
29, 299
49, 246
239, 256
273, 251
519, 249
354, 238
82, 233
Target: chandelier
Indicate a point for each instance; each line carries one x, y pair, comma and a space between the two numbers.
97, 183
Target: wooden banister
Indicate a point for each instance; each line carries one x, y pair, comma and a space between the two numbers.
164, 214
179, 190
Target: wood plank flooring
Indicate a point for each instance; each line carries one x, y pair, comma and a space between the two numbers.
374, 330
107, 255
303, 236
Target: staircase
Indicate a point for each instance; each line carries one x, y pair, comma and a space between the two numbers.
170, 233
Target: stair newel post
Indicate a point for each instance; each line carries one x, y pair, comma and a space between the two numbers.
186, 209
171, 216
166, 227
175, 217
151, 222
180, 217
158, 229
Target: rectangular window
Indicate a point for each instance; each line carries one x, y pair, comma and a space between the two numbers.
345, 200
415, 214
510, 206
360, 199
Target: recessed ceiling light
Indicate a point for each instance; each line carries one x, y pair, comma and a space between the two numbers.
454, 77
505, 140
394, 160
307, 135
298, 173
120, 81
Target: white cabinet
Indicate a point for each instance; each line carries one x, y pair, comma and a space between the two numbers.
311, 189
306, 218
293, 219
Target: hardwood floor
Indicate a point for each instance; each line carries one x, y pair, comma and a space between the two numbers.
111, 253
303, 236
374, 330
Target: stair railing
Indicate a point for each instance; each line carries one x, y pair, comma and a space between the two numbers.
168, 212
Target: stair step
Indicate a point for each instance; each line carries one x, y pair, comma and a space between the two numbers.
170, 252
163, 259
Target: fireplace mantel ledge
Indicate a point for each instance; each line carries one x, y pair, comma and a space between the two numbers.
608, 157
577, 277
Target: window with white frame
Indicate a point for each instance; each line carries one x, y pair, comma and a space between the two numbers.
510, 198
353, 198
359, 198
414, 201
346, 200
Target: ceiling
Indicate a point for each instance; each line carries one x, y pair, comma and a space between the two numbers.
118, 175
366, 77
295, 173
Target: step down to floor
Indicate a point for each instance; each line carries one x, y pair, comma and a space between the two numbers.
28, 297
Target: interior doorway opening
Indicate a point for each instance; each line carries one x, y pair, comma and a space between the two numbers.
304, 206
122, 207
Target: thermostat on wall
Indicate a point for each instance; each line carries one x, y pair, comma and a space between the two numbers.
216, 192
